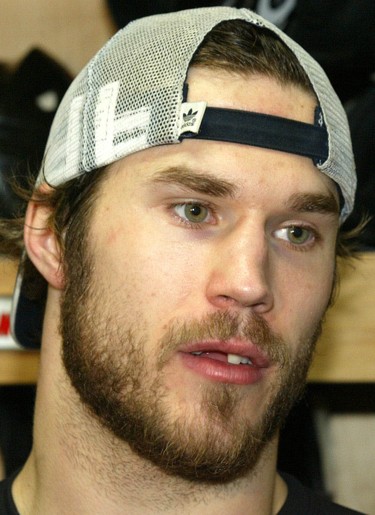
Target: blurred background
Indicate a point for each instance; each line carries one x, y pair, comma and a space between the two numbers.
328, 441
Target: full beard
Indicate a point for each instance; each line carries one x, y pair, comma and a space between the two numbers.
215, 440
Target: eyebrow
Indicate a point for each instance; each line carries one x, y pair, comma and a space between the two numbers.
210, 185
314, 203
199, 182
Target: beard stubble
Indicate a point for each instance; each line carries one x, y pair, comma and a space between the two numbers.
216, 441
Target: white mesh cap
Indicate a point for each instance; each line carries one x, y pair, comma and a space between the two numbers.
129, 97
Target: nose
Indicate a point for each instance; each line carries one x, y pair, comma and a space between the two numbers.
240, 271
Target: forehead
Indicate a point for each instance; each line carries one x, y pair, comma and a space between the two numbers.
257, 93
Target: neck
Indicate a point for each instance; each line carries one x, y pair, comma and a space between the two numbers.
77, 466
73, 469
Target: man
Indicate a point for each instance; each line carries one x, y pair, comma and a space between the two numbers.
186, 221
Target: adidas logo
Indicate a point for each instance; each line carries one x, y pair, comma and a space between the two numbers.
191, 116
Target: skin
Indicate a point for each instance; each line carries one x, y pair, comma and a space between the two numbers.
239, 260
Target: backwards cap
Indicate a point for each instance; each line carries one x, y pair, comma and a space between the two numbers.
132, 96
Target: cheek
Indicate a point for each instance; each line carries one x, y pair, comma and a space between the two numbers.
150, 270
303, 300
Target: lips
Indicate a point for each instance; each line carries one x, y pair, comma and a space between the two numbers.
232, 361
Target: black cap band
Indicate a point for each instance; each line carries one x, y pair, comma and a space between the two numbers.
266, 131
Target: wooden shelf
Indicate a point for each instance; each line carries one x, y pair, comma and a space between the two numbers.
346, 350
18, 367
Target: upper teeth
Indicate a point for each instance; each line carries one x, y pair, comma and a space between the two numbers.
235, 359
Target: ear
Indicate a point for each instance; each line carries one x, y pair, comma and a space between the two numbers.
42, 245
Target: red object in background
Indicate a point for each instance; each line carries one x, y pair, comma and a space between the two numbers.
5, 324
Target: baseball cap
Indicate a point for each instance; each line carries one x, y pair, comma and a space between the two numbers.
133, 95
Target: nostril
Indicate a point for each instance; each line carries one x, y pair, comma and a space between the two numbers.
226, 298
225, 301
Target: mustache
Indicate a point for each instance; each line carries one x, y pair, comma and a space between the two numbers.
224, 326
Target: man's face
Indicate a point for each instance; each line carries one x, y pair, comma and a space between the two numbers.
190, 320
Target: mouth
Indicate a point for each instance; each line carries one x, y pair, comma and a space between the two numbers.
231, 362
